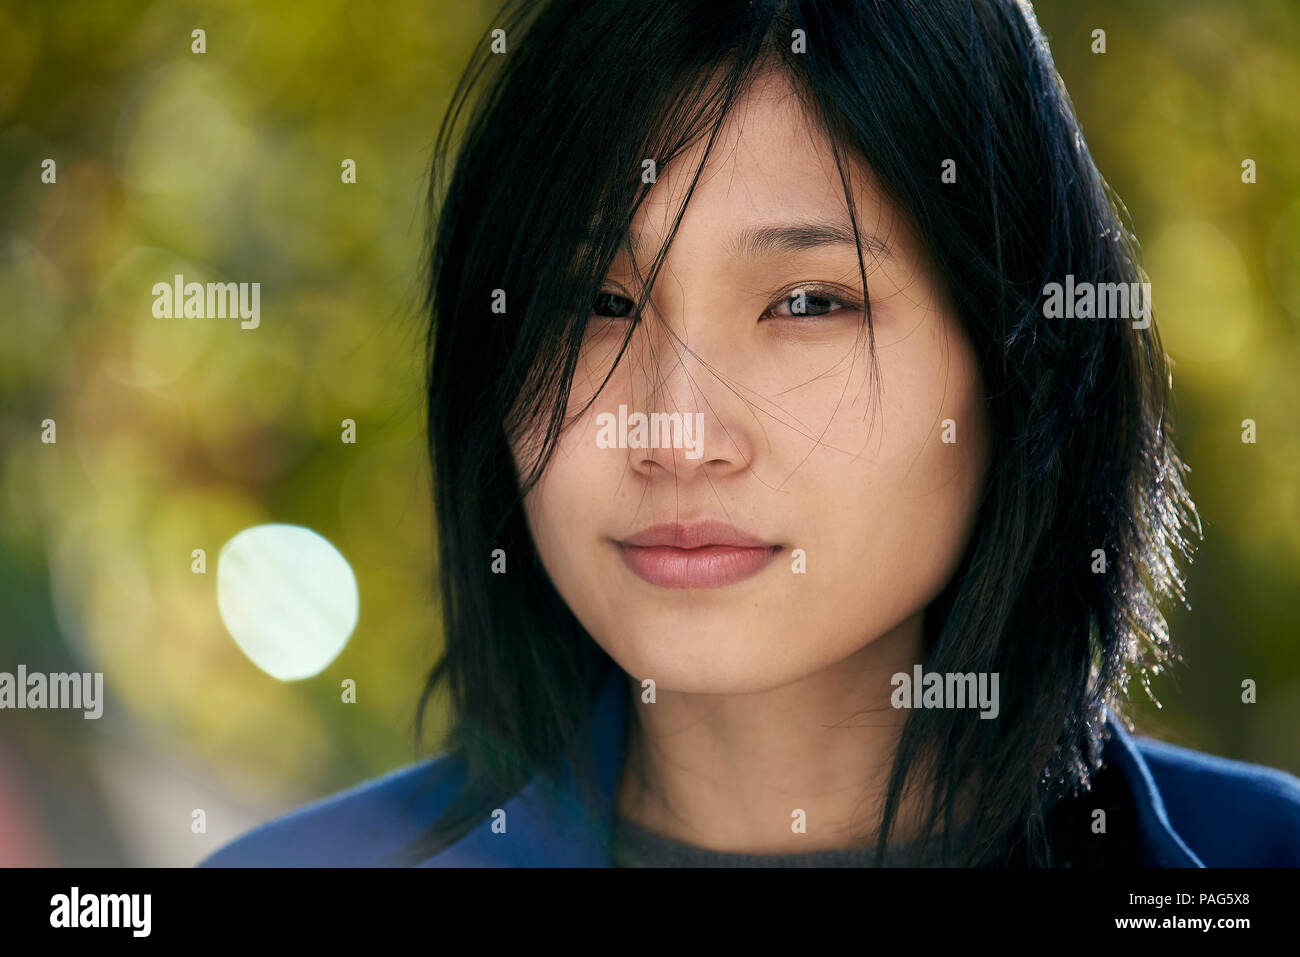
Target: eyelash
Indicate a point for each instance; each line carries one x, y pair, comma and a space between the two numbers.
810, 291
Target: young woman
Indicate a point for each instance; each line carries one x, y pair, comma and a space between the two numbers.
783, 518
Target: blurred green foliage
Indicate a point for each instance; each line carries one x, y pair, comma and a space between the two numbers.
1185, 92
174, 435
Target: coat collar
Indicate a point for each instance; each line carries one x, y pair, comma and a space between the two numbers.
560, 831
1161, 844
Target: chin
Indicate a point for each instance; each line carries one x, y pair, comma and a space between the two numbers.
691, 658
722, 679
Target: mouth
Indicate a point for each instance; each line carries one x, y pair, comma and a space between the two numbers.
700, 555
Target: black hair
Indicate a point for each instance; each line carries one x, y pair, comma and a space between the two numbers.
543, 185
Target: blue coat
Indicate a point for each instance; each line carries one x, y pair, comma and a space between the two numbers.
1193, 810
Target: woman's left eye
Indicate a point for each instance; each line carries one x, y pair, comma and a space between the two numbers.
806, 303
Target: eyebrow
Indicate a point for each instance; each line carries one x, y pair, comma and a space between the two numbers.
759, 241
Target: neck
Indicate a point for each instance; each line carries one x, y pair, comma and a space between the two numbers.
729, 772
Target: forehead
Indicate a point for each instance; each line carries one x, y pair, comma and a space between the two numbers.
771, 162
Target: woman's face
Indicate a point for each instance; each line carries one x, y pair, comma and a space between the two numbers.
817, 507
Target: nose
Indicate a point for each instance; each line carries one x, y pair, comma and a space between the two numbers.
694, 424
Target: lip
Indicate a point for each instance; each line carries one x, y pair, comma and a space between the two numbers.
707, 554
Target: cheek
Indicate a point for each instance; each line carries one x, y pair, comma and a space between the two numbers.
569, 509
899, 481
566, 512
554, 506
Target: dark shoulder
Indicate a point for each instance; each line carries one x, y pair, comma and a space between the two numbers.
1230, 813
366, 825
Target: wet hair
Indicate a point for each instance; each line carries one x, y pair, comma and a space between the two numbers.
548, 140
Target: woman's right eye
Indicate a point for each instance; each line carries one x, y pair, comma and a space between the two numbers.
613, 306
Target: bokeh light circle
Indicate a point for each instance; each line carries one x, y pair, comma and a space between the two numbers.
288, 598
